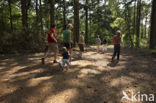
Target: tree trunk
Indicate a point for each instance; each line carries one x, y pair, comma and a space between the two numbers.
10, 11
37, 13
52, 12
64, 14
134, 22
24, 6
41, 25
145, 36
76, 21
153, 26
138, 23
86, 22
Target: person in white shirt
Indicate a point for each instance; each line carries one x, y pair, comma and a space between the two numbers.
81, 43
98, 43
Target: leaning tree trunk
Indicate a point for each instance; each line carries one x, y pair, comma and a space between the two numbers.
10, 12
86, 22
52, 12
76, 21
153, 26
138, 23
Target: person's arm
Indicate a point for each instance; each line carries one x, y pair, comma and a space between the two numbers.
52, 36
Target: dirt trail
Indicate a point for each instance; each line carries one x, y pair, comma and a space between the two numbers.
23, 79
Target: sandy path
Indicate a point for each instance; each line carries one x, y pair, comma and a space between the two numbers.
23, 79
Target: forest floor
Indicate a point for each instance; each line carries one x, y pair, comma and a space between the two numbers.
23, 79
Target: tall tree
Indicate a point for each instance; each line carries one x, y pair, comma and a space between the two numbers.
41, 24
153, 26
86, 22
76, 21
138, 23
134, 18
64, 14
24, 6
10, 12
52, 12
37, 16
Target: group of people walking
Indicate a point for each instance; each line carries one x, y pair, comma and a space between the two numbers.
67, 49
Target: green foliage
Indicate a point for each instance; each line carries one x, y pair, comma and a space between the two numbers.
104, 18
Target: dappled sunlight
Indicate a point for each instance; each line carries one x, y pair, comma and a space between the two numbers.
37, 81
65, 96
90, 80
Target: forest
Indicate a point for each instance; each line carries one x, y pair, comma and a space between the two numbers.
112, 57
25, 23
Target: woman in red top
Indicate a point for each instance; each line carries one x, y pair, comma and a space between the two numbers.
116, 43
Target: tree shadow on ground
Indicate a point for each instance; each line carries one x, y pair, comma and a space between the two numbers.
82, 84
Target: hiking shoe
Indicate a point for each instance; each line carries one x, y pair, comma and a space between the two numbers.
42, 61
55, 61
117, 61
112, 60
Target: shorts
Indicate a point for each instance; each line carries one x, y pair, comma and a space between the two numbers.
81, 47
67, 45
53, 47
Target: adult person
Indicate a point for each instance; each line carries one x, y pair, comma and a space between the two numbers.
81, 43
52, 44
67, 36
98, 43
116, 42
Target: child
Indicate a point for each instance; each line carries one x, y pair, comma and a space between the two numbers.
116, 43
98, 43
65, 59
104, 45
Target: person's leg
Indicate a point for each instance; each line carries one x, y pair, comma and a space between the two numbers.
47, 52
118, 56
106, 47
114, 54
68, 63
70, 51
55, 52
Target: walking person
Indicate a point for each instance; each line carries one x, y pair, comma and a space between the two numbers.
52, 44
67, 36
65, 63
116, 42
104, 44
81, 43
98, 43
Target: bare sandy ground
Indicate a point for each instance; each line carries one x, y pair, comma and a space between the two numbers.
23, 79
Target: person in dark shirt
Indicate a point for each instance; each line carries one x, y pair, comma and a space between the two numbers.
65, 63
104, 44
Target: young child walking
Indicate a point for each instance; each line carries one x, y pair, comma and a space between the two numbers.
65, 63
116, 42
